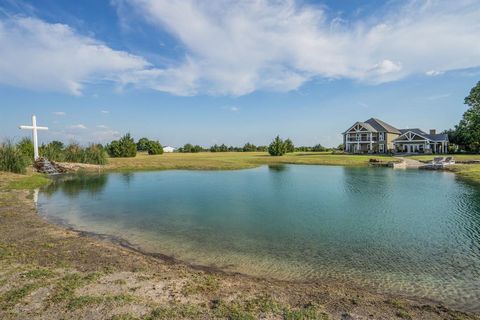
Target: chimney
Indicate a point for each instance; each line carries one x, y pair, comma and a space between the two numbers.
433, 131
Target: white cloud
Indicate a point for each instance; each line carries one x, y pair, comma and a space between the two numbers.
78, 126
105, 112
237, 47
102, 126
59, 113
43, 56
434, 73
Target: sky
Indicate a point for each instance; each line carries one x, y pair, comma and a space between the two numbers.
232, 72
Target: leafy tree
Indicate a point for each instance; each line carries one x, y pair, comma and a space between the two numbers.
341, 147
125, 147
319, 148
289, 146
467, 132
277, 147
142, 144
154, 147
248, 147
262, 148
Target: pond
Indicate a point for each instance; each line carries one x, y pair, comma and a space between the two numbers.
403, 231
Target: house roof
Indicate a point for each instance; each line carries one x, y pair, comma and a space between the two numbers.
432, 137
379, 125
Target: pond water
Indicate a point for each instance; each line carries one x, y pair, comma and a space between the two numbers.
408, 231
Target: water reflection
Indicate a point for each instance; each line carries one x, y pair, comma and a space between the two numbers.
73, 185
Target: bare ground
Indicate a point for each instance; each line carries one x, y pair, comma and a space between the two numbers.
47, 272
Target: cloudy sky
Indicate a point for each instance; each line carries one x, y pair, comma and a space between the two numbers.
232, 71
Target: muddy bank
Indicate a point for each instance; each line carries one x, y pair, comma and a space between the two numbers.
49, 272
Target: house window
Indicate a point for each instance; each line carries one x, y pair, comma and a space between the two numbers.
381, 136
381, 148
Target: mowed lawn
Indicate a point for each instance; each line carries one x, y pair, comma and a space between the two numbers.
458, 157
234, 160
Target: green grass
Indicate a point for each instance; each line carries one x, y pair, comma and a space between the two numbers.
458, 157
12, 297
234, 160
28, 182
200, 284
65, 287
39, 273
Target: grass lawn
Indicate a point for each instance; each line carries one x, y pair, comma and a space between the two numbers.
468, 171
459, 157
233, 160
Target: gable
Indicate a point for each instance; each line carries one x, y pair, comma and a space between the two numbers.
412, 136
360, 127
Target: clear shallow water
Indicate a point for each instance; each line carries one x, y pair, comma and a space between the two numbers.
411, 232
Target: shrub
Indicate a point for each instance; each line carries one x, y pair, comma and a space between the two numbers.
277, 147
95, 154
74, 153
125, 147
25, 146
289, 147
154, 147
53, 151
142, 144
189, 148
248, 147
12, 158
319, 148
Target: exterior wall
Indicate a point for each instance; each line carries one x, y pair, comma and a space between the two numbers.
389, 140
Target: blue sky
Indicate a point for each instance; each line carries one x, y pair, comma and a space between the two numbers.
229, 72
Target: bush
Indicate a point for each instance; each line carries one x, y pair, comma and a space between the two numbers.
12, 158
277, 147
289, 147
74, 153
95, 154
142, 144
25, 146
53, 151
125, 147
189, 148
248, 147
154, 147
319, 148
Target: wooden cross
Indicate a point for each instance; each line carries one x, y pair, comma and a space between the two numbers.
34, 129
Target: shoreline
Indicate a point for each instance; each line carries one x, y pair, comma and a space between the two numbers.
189, 291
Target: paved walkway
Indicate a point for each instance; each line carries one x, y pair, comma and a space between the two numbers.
410, 163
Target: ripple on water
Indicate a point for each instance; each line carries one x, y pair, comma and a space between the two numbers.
409, 232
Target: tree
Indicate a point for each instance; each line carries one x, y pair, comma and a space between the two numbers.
341, 147
467, 132
125, 147
319, 148
153, 147
142, 144
289, 147
277, 147
248, 147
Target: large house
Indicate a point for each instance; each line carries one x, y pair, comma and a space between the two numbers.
376, 136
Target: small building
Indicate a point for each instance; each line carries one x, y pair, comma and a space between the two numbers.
377, 136
168, 149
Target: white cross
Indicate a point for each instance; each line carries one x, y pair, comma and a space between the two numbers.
34, 129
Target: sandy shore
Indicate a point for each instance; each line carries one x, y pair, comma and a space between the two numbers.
49, 272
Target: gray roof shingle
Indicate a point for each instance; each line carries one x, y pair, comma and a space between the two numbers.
379, 125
